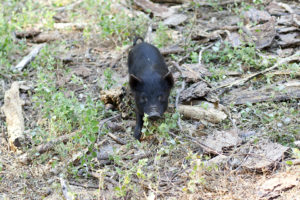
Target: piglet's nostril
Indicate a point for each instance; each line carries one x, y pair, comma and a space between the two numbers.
154, 115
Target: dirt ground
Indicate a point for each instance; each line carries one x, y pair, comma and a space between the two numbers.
250, 154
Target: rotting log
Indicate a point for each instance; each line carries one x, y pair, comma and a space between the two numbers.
212, 115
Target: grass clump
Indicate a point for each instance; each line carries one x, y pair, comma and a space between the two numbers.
113, 22
62, 112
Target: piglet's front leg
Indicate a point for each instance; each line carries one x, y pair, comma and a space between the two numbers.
138, 126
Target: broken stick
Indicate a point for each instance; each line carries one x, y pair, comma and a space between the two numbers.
242, 81
27, 59
65, 189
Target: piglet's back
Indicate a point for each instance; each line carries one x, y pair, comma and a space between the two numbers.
144, 58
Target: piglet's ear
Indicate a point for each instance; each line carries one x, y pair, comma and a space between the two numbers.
169, 78
134, 81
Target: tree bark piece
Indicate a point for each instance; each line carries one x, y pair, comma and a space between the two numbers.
14, 118
27, 33
46, 37
195, 91
278, 184
277, 92
221, 140
30, 57
266, 155
209, 114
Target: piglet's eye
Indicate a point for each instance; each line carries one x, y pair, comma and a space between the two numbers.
144, 99
160, 98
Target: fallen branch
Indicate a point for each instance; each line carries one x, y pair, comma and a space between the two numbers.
27, 33
42, 148
178, 94
221, 3
26, 158
73, 26
294, 162
203, 146
83, 185
202, 50
12, 109
110, 180
242, 81
69, 7
119, 141
138, 157
64, 187
288, 90
171, 50
177, 101
104, 121
155, 8
209, 114
148, 37
46, 37
30, 57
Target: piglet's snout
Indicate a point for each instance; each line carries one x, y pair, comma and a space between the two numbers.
154, 114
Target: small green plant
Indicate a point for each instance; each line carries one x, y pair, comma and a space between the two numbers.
63, 112
109, 82
197, 173
274, 119
161, 38
160, 127
113, 23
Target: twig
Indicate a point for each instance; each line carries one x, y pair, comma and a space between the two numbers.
192, 28
148, 34
138, 157
295, 162
42, 148
171, 50
242, 81
65, 191
246, 157
69, 7
27, 59
83, 185
205, 147
119, 141
221, 3
177, 101
202, 50
178, 94
102, 122
97, 175
194, 140
175, 64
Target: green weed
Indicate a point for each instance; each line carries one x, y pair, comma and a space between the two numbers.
161, 38
109, 81
113, 23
